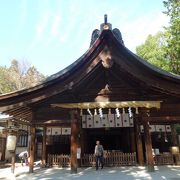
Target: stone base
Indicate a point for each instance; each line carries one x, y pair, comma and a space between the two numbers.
150, 168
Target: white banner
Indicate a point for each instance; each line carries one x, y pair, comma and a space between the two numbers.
97, 121
105, 121
118, 121
168, 128
125, 119
111, 120
84, 121
66, 131
152, 128
131, 122
48, 131
89, 121
160, 128
56, 131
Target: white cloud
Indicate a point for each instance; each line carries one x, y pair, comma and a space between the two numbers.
55, 25
40, 28
136, 32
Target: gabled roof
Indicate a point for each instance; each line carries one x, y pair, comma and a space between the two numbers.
126, 61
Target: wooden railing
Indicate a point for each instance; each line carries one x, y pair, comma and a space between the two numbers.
163, 159
62, 160
111, 159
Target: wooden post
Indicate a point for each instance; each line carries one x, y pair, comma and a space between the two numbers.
13, 162
74, 141
132, 137
44, 147
174, 135
138, 142
148, 145
32, 149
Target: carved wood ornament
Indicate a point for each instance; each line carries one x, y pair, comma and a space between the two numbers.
106, 57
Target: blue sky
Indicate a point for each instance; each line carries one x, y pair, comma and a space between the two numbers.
51, 34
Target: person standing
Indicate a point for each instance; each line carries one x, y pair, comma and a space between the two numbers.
99, 154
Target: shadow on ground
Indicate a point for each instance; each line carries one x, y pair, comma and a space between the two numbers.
124, 173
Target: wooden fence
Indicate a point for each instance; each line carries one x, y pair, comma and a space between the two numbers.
87, 160
62, 160
163, 159
111, 159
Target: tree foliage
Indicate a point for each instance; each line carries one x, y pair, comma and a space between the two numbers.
153, 50
173, 34
18, 76
163, 49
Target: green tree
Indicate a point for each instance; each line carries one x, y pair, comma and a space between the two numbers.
173, 34
153, 50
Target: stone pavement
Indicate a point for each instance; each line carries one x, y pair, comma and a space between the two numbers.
108, 173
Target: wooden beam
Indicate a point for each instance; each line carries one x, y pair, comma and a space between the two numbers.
74, 141
16, 109
163, 119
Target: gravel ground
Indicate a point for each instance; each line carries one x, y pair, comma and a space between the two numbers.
114, 173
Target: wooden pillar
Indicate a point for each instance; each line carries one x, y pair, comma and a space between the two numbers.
44, 147
138, 142
32, 149
74, 141
148, 145
174, 135
132, 137
13, 162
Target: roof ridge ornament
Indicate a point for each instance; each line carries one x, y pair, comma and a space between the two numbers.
105, 25
105, 19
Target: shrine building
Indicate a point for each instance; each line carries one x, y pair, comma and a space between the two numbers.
108, 94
